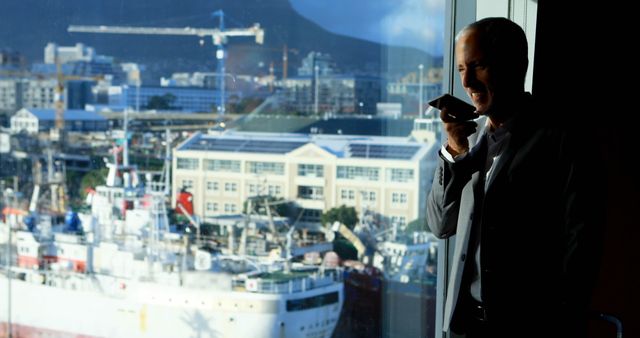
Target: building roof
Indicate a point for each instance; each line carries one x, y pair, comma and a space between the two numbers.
69, 114
242, 145
341, 146
363, 125
340, 76
386, 151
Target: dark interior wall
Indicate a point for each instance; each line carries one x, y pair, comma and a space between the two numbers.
583, 65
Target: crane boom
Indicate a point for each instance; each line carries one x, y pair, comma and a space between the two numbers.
59, 104
217, 35
351, 237
57, 133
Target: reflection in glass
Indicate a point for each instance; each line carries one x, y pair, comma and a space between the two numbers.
255, 169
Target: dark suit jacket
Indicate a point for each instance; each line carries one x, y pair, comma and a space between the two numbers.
538, 228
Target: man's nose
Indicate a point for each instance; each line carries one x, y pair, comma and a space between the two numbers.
467, 79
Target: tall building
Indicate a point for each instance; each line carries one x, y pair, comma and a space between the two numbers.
79, 93
185, 99
324, 62
388, 176
340, 94
16, 93
65, 54
11, 59
196, 79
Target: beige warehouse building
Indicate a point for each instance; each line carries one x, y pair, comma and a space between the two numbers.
388, 176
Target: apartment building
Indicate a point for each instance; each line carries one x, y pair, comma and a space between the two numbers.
17, 93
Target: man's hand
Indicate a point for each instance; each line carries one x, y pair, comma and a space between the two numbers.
457, 132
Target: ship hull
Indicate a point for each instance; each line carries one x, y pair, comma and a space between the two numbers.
150, 310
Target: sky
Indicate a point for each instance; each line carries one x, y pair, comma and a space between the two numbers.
410, 23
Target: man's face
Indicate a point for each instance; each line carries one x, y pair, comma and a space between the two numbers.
475, 72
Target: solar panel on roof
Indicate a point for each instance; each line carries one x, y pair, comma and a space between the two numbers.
243, 145
382, 151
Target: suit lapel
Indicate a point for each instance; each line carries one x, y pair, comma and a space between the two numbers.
505, 158
463, 235
469, 198
520, 132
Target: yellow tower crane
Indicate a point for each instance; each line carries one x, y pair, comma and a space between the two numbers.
56, 134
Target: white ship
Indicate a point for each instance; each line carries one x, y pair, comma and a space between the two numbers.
127, 275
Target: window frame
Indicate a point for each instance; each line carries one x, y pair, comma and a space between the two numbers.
457, 15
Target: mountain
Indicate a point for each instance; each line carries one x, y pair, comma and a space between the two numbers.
28, 25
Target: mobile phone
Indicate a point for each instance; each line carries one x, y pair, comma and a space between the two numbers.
458, 108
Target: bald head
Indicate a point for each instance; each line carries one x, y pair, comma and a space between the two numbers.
491, 57
503, 43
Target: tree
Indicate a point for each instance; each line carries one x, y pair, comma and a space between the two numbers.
343, 214
419, 224
73, 179
345, 249
92, 179
164, 102
245, 105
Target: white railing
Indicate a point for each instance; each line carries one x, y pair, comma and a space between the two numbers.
293, 285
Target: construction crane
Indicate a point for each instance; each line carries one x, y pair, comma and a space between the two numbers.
285, 65
218, 35
57, 133
55, 184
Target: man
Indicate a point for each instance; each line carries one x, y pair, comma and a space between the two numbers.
513, 192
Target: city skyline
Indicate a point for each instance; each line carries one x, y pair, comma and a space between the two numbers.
367, 46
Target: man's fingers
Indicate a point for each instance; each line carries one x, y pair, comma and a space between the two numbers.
470, 128
446, 117
465, 128
451, 116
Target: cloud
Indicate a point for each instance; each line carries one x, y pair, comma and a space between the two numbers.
413, 23
416, 23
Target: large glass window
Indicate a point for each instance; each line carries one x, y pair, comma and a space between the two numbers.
142, 133
311, 170
400, 175
222, 165
310, 192
358, 173
188, 163
261, 168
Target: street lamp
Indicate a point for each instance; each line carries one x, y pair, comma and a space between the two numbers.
135, 77
7, 193
220, 55
316, 71
222, 83
420, 67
